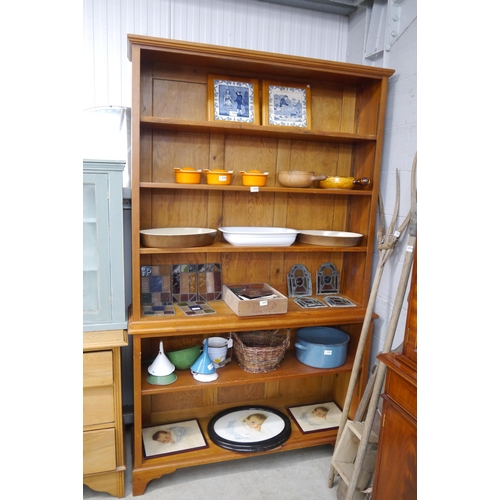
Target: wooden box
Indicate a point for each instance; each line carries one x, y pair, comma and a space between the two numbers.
255, 307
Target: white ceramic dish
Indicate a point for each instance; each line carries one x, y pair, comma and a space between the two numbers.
330, 238
245, 236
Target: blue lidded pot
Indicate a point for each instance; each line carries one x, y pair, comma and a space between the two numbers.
321, 346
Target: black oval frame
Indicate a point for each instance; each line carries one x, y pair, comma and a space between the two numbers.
265, 445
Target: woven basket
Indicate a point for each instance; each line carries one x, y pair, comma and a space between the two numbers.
260, 351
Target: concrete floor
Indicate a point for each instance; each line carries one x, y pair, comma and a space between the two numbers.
292, 475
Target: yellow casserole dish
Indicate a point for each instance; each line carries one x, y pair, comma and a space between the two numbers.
187, 175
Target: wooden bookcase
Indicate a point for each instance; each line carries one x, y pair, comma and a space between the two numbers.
170, 128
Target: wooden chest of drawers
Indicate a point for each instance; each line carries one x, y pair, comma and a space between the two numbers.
103, 443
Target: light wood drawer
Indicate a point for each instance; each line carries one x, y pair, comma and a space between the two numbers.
97, 368
99, 453
98, 405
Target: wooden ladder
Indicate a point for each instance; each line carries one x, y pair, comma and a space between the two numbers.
353, 459
346, 447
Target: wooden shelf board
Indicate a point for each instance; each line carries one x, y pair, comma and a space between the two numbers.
220, 246
232, 374
250, 129
264, 189
216, 454
226, 321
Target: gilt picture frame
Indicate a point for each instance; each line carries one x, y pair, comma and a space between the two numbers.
233, 99
168, 439
286, 104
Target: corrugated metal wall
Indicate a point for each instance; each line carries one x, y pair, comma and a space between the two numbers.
236, 23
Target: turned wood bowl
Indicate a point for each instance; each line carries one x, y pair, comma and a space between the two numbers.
329, 238
298, 178
177, 237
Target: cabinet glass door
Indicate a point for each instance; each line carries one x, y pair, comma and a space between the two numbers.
96, 251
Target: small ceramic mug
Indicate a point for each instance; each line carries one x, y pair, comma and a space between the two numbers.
217, 349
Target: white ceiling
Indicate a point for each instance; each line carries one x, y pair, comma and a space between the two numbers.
340, 7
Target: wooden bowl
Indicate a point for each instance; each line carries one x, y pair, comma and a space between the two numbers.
177, 237
329, 238
298, 178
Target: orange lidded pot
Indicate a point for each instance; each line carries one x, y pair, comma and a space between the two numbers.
254, 178
187, 175
220, 177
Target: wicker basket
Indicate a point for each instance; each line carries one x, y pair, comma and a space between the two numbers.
260, 351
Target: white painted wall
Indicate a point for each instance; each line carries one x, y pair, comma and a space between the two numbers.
400, 146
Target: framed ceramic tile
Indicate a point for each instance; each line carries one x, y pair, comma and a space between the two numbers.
184, 282
233, 99
156, 290
327, 279
195, 308
309, 303
336, 301
210, 281
286, 104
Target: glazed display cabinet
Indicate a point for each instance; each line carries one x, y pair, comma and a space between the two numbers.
103, 264
172, 127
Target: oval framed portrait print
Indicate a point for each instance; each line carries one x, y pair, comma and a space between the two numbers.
249, 429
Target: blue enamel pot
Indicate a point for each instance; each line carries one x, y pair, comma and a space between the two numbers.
321, 346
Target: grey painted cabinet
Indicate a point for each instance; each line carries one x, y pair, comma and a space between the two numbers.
103, 265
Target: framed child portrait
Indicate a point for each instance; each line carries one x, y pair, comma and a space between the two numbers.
316, 417
233, 99
172, 438
285, 104
249, 429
